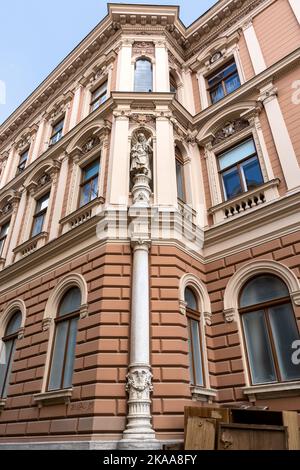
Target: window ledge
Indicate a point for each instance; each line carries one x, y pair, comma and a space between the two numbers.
245, 202
2, 404
53, 397
202, 394
81, 215
272, 390
30, 245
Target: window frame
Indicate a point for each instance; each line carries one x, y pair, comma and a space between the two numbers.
4, 238
56, 133
218, 70
42, 212
179, 159
143, 59
19, 169
195, 315
264, 306
58, 320
93, 101
238, 165
85, 182
14, 337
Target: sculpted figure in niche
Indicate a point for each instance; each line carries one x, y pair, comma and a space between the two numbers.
141, 156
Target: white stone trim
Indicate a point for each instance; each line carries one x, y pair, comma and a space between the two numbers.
282, 140
254, 48
275, 390
5, 316
295, 6
190, 280
50, 312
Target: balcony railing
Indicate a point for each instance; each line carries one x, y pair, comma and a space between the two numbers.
245, 202
81, 215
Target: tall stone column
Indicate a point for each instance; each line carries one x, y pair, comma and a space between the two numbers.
139, 433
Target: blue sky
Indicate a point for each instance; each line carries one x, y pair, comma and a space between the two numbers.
35, 36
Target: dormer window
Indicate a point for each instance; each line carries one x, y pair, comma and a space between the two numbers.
57, 132
99, 96
223, 81
22, 162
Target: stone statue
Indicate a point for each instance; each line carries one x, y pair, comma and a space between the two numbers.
140, 156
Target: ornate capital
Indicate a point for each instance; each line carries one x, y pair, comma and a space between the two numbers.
230, 315
139, 383
207, 318
46, 323
268, 94
182, 307
21, 333
84, 311
296, 298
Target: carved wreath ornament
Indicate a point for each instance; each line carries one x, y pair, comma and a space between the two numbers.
139, 382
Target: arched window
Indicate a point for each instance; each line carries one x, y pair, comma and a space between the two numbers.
180, 175
143, 80
63, 355
270, 329
8, 350
194, 338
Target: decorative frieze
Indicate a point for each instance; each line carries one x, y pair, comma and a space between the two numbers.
229, 129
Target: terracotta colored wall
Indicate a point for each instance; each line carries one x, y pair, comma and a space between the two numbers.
227, 351
290, 109
277, 31
101, 354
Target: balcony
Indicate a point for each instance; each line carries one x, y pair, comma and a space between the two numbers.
245, 202
30, 245
81, 215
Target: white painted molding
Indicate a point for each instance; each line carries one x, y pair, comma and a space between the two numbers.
295, 5
5, 316
254, 48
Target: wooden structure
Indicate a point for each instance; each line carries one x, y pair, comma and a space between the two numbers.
240, 429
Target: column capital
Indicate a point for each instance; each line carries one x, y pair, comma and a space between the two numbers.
140, 244
268, 94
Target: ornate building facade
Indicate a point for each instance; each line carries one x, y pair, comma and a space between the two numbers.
150, 229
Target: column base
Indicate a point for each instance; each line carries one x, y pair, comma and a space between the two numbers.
139, 444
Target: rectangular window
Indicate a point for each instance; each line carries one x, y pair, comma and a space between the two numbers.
240, 169
89, 185
195, 353
40, 214
22, 162
3, 236
180, 180
222, 82
57, 132
99, 96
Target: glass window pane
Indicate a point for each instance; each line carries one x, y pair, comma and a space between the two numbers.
192, 378
232, 183
85, 194
190, 299
285, 332
91, 170
58, 356
259, 348
69, 365
179, 176
197, 352
143, 76
6, 360
4, 230
94, 189
42, 203
59, 126
252, 173
70, 302
38, 225
14, 324
232, 83
217, 94
262, 289
236, 154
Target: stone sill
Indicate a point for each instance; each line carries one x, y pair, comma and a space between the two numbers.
81, 215
54, 397
202, 394
30, 245
272, 390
